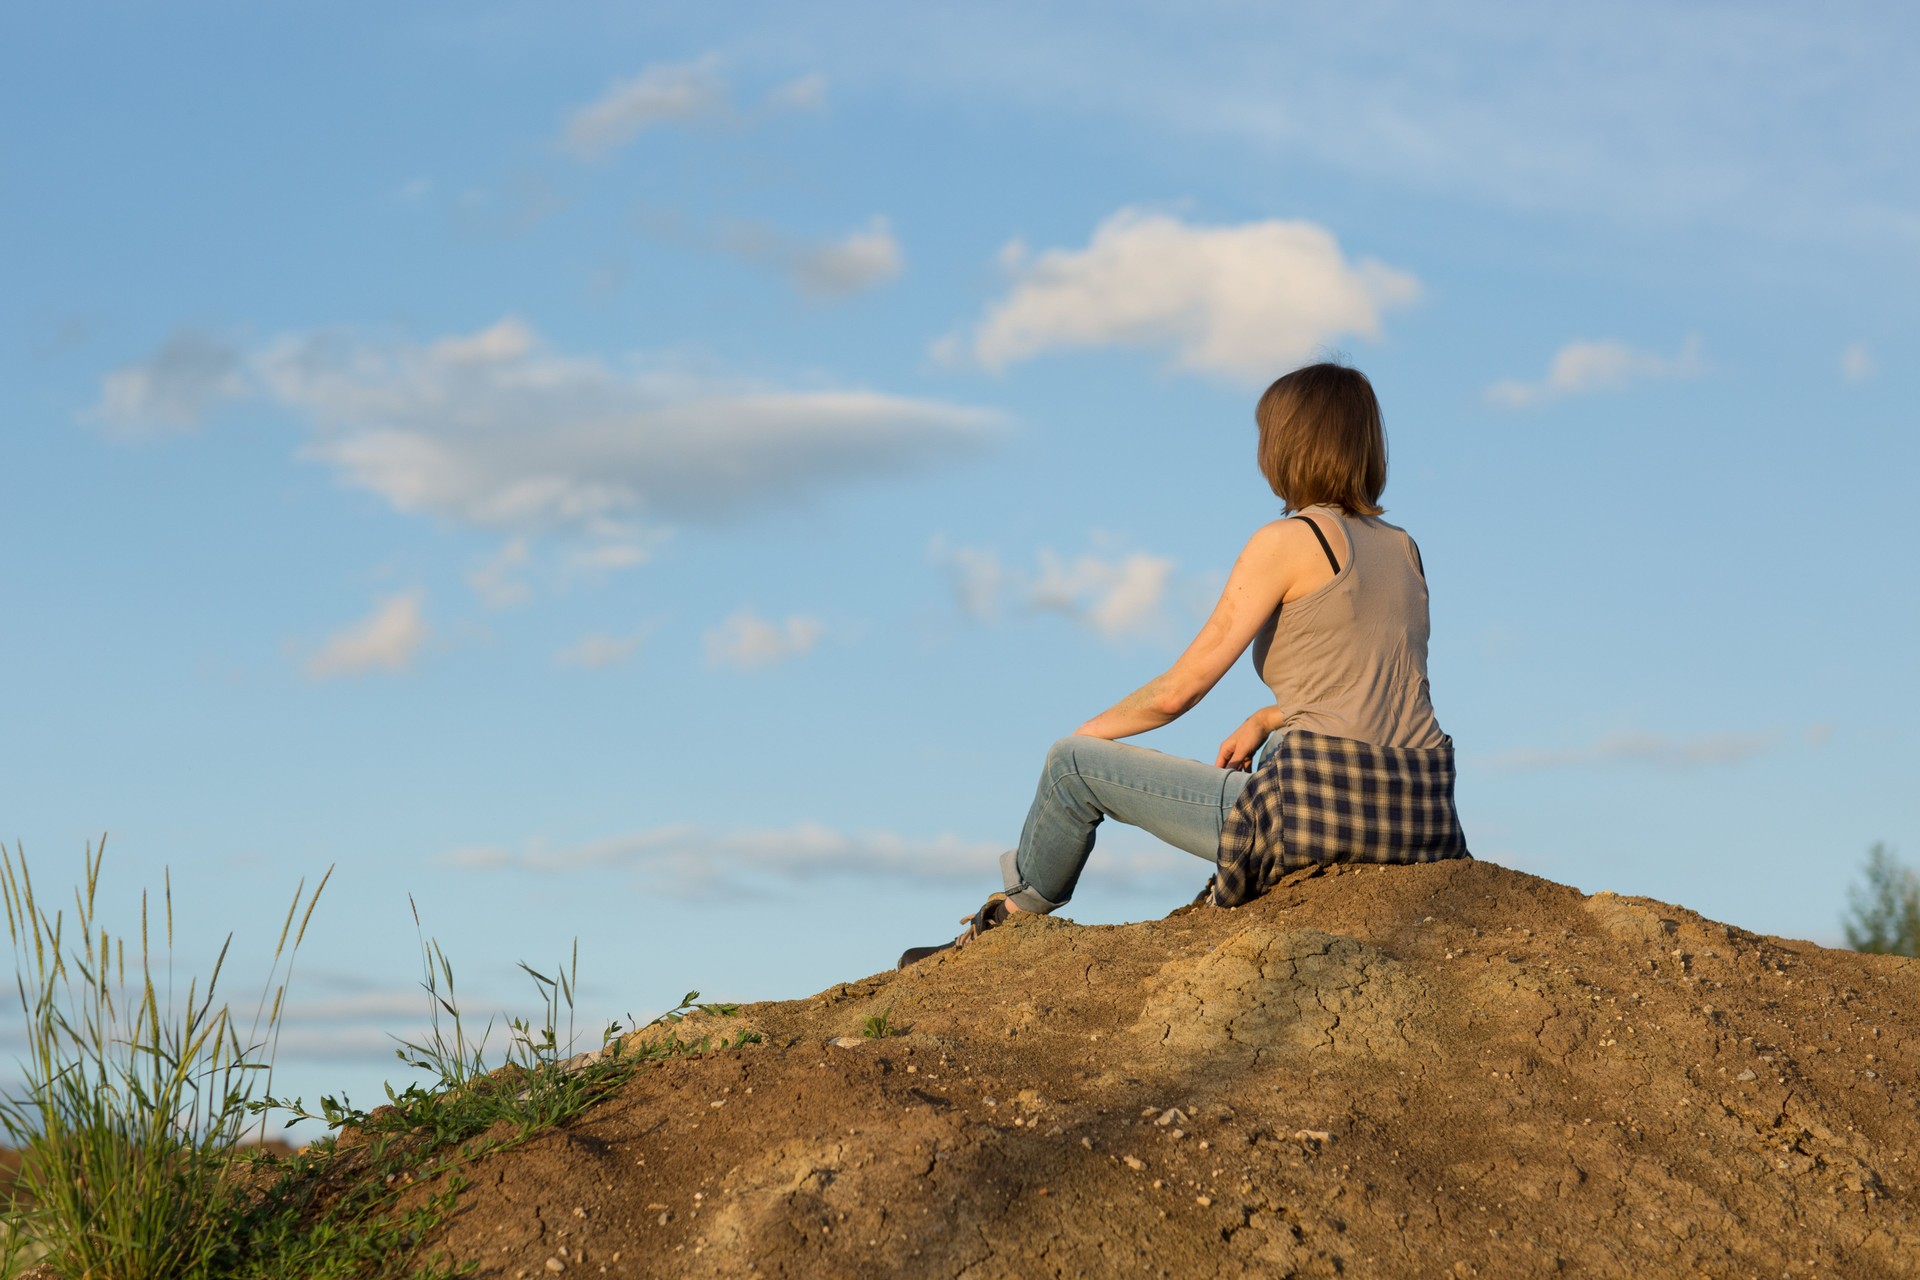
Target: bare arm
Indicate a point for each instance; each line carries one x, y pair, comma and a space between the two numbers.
1267, 567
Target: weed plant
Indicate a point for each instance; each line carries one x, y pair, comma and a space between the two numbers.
134, 1108
539, 1081
132, 1105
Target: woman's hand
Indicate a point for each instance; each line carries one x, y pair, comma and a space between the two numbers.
1238, 750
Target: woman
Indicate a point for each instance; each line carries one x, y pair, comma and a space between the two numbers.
1333, 601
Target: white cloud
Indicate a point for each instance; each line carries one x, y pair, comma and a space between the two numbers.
495, 430
386, 640
658, 95
597, 650
1857, 363
1662, 751
748, 640
1243, 302
175, 387
692, 860
1117, 596
1583, 367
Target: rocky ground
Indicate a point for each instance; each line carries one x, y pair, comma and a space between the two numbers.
1445, 1070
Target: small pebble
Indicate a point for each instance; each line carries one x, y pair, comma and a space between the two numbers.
555, 1265
1134, 1163
1745, 1075
1205, 1202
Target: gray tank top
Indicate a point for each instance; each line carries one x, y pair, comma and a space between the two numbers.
1350, 659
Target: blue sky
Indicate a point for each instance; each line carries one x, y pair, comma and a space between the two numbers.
663, 474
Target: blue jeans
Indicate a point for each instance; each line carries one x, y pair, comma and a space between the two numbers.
1087, 780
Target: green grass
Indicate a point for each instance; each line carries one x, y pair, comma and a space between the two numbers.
134, 1108
133, 1104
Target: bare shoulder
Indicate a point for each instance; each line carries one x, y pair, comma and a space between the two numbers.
1282, 541
1279, 537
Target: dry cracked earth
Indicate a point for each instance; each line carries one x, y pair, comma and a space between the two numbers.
1438, 1071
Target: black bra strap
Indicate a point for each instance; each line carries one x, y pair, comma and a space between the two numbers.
1324, 546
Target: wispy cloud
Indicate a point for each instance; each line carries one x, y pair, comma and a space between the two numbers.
385, 640
862, 259
694, 860
1117, 595
1857, 363
496, 579
175, 387
1584, 367
805, 93
674, 93
598, 649
667, 93
1664, 751
1754, 121
1241, 302
748, 640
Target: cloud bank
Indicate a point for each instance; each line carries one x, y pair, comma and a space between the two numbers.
1240, 302
495, 430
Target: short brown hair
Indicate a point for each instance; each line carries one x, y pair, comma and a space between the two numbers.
1322, 440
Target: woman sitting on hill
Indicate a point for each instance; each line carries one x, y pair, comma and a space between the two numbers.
1333, 601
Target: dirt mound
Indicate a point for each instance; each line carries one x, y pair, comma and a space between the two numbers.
1442, 1070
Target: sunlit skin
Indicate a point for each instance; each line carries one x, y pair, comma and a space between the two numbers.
1281, 563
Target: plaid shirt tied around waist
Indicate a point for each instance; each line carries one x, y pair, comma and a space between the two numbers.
1318, 799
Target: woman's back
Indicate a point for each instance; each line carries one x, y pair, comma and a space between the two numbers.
1349, 659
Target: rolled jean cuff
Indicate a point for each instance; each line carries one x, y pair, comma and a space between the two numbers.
1019, 892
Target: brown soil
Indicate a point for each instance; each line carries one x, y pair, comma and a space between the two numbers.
1445, 1070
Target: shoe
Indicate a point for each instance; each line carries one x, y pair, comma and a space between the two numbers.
993, 913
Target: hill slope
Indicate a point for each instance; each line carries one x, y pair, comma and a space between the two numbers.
1452, 1069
